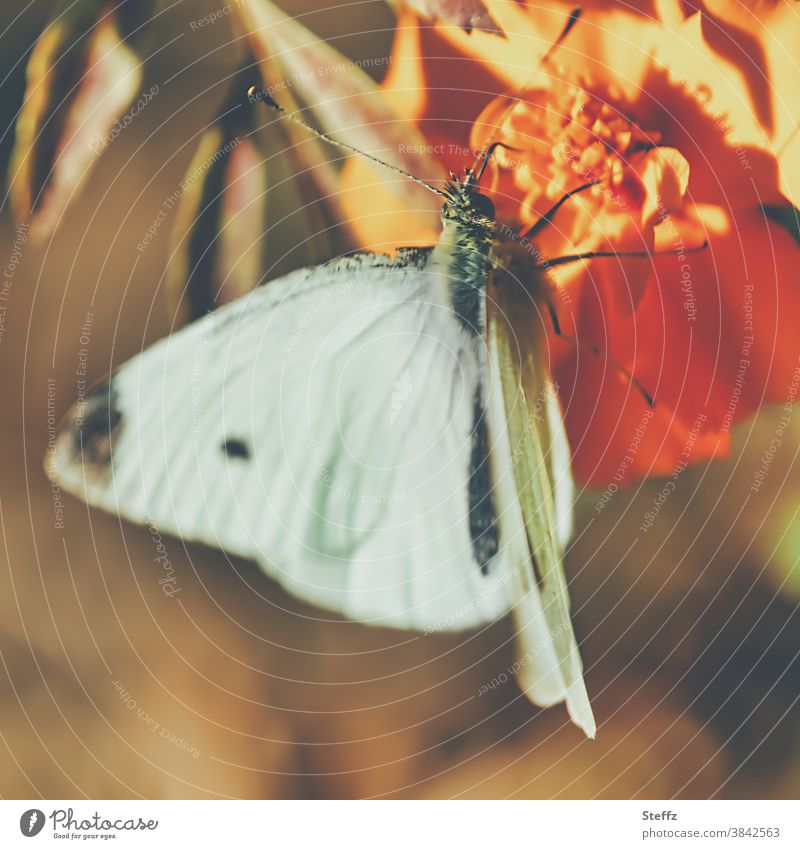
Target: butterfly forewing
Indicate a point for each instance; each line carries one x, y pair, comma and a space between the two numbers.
320, 425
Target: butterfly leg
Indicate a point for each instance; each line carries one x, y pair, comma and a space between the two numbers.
580, 343
547, 218
565, 260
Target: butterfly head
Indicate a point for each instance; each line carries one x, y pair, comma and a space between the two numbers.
465, 205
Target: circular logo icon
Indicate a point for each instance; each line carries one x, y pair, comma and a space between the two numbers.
31, 822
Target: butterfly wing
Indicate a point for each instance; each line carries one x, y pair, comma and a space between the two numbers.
320, 425
535, 493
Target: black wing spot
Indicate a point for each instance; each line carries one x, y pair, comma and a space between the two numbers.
236, 449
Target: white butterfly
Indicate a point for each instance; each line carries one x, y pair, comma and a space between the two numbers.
272, 429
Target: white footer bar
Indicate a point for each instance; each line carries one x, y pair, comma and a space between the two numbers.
402, 824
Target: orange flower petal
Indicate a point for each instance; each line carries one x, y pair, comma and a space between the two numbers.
711, 339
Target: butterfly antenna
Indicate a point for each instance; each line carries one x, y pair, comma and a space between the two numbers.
255, 94
475, 175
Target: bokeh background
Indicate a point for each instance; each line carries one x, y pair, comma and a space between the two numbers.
690, 633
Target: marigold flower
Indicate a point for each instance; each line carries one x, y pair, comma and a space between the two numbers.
666, 123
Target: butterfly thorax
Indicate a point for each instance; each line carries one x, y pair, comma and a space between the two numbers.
463, 253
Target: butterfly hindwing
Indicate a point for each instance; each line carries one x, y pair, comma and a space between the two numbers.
532, 472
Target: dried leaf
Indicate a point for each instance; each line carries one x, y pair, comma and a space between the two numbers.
226, 241
80, 79
222, 191
242, 222
468, 14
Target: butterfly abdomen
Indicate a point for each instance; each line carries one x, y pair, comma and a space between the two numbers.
462, 257
470, 270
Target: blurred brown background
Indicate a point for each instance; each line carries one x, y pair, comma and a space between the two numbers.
233, 689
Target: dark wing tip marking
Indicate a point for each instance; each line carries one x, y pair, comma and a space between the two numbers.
96, 424
235, 449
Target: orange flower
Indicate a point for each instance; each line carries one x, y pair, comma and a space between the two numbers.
665, 124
